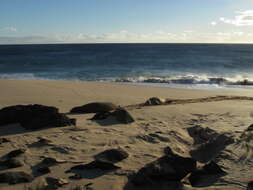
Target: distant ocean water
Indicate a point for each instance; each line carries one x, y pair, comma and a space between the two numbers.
172, 65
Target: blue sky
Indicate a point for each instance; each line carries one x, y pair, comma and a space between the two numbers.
94, 21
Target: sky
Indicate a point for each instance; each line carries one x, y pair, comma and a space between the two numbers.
126, 21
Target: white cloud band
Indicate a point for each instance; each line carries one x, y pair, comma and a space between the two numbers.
243, 18
125, 36
8, 28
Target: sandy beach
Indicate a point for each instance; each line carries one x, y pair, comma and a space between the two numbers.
154, 129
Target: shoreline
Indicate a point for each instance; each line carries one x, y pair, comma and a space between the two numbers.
205, 87
64, 94
162, 84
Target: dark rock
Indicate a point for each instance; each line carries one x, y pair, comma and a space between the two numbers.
148, 138
15, 153
219, 80
95, 107
101, 116
63, 149
168, 151
75, 177
154, 101
44, 170
122, 116
250, 186
55, 183
200, 178
153, 138
97, 164
250, 128
88, 186
48, 120
33, 117
49, 161
213, 168
112, 155
159, 137
201, 135
45, 141
206, 176
171, 167
14, 114
244, 82
211, 149
42, 141
11, 163
4, 140
72, 121
15, 177
83, 187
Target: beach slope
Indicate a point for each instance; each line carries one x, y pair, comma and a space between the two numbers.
186, 122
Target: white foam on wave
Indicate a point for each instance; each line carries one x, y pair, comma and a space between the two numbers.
191, 79
20, 76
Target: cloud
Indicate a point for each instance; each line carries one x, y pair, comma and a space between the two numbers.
243, 18
113, 37
189, 31
9, 28
34, 39
213, 23
125, 36
227, 37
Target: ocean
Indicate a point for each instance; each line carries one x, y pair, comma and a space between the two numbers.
208, 66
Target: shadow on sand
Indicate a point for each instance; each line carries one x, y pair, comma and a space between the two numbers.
107, 122
87, 174
12, 129
15, 129
161, 186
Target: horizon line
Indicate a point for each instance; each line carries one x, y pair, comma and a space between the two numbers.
93, 43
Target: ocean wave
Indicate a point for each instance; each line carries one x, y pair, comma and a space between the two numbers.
175, 80
20, 76
190, 80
